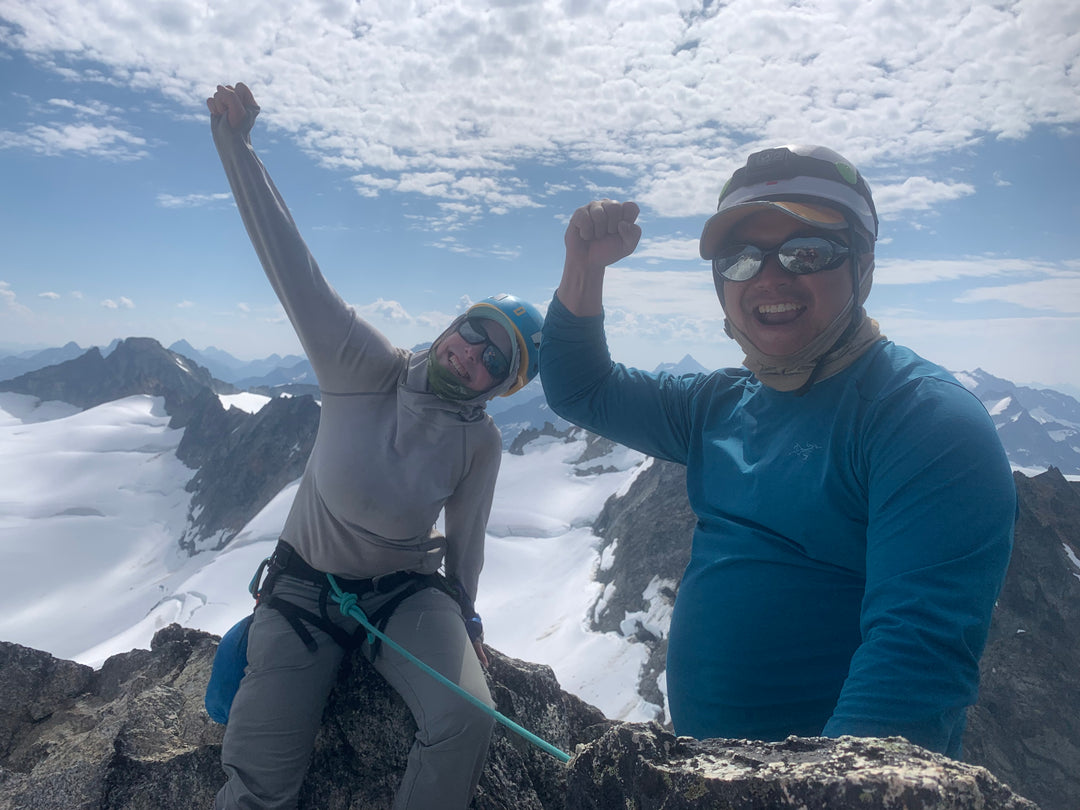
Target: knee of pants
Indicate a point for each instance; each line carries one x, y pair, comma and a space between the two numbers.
460, 723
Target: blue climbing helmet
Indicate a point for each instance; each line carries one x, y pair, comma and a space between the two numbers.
527, 323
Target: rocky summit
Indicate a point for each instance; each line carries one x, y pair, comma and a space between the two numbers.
643, 767
134, 736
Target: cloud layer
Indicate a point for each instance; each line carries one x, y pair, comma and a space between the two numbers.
449, 100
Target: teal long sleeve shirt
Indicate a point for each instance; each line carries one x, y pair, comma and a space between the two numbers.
850, 542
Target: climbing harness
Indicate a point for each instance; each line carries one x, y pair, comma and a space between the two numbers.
230, 659
347, 605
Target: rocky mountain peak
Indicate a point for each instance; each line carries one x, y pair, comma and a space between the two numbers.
134, 736
136, 366
242, 460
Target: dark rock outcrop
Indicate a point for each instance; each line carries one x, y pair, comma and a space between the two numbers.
243, 461
643, 767
131, 735
134, 736
596, 447
1026, 726
648, 532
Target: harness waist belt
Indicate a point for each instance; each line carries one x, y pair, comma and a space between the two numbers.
288, 561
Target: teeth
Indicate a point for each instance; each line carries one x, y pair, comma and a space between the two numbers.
774, 308
457, 366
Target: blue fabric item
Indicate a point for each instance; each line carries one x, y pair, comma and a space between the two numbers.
230, 660
850, 543
475, 628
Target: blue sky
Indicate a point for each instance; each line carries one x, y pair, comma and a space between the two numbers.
432, 153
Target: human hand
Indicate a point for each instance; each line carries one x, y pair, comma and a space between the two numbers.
600, 234
232, 102
478, 645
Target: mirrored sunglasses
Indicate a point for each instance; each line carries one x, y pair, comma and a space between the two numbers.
473, 332
801, 255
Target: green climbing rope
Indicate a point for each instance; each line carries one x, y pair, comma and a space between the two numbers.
347, 605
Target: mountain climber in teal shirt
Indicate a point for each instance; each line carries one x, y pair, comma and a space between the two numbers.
855, 506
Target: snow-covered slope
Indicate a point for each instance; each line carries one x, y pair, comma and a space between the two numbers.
94, 501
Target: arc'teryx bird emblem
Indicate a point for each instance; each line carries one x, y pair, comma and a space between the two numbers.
804, 451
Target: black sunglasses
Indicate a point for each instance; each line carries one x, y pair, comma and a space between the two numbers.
472, 331
801, 255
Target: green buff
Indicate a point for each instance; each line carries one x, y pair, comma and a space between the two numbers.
445, 384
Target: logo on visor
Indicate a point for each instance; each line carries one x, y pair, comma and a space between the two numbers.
847, 171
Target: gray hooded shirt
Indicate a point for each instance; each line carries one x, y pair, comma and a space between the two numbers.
389, 455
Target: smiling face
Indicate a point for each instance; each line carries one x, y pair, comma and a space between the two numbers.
781, 312
465, 360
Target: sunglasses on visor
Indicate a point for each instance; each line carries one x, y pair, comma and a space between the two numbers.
801, 255
472, 331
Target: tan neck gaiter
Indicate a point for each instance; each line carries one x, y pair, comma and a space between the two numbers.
791, 372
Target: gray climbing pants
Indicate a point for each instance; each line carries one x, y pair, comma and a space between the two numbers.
276, 714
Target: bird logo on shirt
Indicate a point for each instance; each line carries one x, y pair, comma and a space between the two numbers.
804, 451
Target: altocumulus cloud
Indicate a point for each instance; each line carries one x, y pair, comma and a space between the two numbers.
660, 96
192, 200
65, 139
121, 303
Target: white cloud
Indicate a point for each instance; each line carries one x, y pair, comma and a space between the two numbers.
917, 194
662, 295
1002, 346
674, 248
92, 108
1052, 294
9, 299
192, 200
88, 139
108, 303
185, 305
924, 271
449, 100
50, 296
385, 310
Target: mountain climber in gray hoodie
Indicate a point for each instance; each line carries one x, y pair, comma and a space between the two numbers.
403, 436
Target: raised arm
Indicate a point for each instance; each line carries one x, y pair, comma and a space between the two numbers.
581, 382
599, 234
346, 352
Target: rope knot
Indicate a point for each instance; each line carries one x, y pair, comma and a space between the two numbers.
346, 602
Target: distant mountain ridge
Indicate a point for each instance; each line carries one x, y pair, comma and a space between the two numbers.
15, 365
224, 366
1039, 427
136, 366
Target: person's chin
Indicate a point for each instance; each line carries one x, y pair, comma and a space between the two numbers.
778, 342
